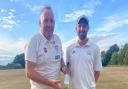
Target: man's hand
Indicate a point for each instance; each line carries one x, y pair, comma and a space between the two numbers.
35, 76
66, 70
63, 69
96, 75
56, 84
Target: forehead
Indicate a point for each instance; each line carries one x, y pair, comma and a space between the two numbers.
47, 13
82, 24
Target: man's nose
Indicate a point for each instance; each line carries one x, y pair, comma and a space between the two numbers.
49, 23
82, 29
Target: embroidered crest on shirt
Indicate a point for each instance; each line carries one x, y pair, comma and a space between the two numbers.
73, 51
57, 56
45, 50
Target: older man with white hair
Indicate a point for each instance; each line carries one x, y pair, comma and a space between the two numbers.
43, 54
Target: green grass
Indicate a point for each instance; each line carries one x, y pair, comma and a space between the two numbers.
111, 78
13, 79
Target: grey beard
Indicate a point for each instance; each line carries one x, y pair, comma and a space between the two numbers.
48, 29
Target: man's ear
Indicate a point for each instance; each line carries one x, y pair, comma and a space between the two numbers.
39, 22
88, 28
76, 28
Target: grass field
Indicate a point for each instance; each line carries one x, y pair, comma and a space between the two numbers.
111, 78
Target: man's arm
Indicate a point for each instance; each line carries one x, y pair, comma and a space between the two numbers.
35, 76
96, 75
97, 64
63, 67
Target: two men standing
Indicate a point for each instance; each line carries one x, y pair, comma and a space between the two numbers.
44, 56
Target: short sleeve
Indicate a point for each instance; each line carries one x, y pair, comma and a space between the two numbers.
97, 60
30, 51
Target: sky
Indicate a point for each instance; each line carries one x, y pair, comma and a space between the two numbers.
19, 21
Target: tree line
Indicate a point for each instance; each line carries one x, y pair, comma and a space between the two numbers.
115, 55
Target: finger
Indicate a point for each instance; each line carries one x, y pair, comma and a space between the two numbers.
57, 81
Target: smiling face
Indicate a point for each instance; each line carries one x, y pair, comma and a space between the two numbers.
47, 23
82, 28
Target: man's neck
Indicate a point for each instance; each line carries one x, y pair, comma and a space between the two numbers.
82, 42
47, 37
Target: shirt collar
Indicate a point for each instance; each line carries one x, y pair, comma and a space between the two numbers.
86, 45
46, 40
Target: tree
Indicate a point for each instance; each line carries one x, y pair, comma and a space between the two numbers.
108, 54
19, 59
114, 58
124, 54
120, 58
126, 58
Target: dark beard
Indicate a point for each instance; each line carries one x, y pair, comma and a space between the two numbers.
82, 35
